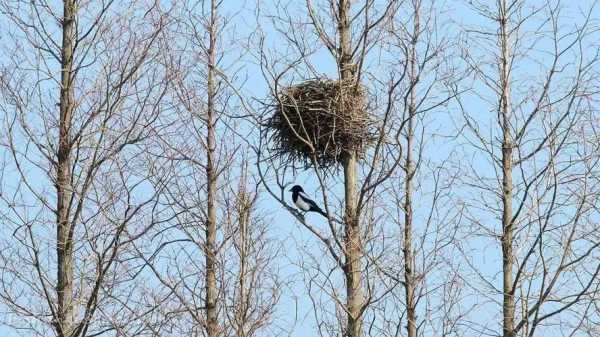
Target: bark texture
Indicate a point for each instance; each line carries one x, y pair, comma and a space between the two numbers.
352, 267
508, 303
409, 259
212, 327
64, 228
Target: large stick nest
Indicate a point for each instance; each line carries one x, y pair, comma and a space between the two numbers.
320, 119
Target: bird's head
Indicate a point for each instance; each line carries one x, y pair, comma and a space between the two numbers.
296, 188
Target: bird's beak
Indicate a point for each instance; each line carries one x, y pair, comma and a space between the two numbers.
291, 190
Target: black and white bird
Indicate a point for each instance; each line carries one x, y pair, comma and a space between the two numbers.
303, 202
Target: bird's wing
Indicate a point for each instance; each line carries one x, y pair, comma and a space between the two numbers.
313, 205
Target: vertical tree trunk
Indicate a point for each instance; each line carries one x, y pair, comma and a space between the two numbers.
352, 268
508, 304
212, 328
244, 209
409, 263
64, 230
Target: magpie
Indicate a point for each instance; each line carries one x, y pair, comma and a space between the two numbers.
303, 202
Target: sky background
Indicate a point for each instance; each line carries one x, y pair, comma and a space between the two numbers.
295, 307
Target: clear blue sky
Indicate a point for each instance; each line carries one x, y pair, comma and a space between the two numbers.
283, 225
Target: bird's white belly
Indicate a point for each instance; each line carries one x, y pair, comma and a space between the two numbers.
301, 204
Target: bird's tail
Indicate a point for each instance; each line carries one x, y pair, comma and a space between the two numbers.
320, 211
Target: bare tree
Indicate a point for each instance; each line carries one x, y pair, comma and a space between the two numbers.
349, 33
78, 103
211, 177
420, 191
256, 286
131, 206
214, 257
535, 75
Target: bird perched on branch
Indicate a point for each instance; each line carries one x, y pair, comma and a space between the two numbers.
303, 202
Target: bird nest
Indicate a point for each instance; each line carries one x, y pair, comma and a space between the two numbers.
320, 120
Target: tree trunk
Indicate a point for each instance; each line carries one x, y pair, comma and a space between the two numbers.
409, 263
508, 303
212, 328
244, 209
352, 268
64, 229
